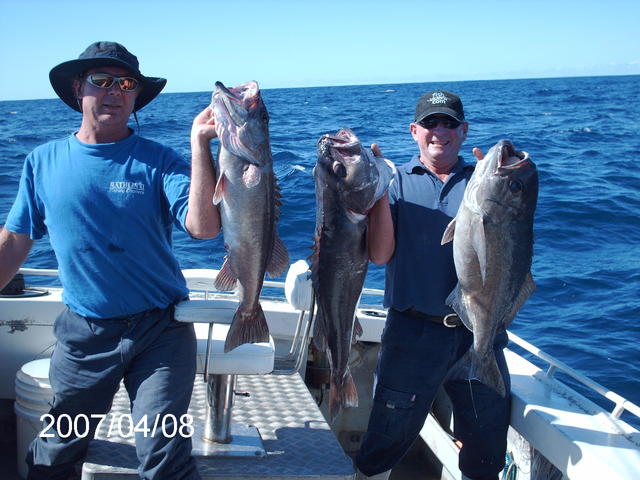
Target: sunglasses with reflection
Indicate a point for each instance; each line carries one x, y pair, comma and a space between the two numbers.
104, 80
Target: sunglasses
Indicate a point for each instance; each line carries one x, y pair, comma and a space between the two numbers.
104, 80
432, 122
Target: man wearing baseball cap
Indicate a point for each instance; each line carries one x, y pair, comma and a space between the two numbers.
423, 339
108, 198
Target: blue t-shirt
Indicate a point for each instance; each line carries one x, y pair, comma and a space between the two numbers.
108, 210
421, 272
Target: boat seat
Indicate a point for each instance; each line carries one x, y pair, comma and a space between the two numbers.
247, 359
211, 318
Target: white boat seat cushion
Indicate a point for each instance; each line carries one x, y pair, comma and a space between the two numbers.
218, 310
247, 359
200, 278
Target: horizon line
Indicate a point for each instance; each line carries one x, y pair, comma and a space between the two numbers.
381, 84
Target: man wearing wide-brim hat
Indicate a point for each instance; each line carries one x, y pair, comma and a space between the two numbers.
108, 198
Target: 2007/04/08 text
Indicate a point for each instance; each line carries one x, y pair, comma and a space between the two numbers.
121, 425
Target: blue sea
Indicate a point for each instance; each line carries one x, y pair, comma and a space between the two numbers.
583, 134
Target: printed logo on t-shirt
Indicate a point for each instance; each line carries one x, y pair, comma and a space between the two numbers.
126, 187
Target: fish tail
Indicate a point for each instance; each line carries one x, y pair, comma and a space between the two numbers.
485, 369
342, 393
247, 327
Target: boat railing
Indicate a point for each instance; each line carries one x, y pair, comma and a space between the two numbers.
43, 272
621, 404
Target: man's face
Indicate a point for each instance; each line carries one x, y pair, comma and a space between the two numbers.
439, 144
106, 107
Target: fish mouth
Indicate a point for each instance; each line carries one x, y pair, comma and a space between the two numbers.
245, 96
510, 159
232, 108
345, 142
343, 149
235, 103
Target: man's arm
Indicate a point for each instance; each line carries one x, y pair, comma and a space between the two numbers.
14, 248
203, 218
380, 233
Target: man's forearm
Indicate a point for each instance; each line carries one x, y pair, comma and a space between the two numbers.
14, 248
380, 233
203, 219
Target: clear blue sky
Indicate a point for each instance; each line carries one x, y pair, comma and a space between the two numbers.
308, 43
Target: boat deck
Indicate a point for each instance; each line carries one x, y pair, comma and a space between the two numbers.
299, 443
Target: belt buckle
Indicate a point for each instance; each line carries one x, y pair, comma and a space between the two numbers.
451, 321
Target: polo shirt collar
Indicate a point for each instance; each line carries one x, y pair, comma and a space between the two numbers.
415, 164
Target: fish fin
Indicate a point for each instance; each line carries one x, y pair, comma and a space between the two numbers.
342, 393
279, 260
277, 197
448, 233
528, 287
220, 187
247, 327
485, 370
226, 280
454, 300
315, 257
357, 330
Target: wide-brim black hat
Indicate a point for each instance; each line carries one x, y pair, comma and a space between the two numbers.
103, 54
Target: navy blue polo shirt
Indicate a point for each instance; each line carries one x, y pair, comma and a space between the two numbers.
421, 272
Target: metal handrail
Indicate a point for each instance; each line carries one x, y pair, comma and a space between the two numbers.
621, 403
43, 272
293, 362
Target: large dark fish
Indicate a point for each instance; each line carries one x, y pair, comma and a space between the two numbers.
349, 179
249, 199
492, 237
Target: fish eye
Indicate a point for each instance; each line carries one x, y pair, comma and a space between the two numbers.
339, 169
515, 186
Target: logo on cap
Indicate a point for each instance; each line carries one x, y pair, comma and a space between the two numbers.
438, 98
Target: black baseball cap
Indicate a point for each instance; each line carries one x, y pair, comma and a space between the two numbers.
439, 101
103, 54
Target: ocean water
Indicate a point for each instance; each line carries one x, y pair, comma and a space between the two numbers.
583, 134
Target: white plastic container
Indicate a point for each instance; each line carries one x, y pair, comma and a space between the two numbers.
33, 398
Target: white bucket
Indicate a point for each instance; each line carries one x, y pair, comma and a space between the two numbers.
33, 398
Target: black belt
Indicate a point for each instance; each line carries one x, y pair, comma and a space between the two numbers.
452, 320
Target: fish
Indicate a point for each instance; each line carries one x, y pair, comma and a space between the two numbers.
349, 179
249, 199
492, 236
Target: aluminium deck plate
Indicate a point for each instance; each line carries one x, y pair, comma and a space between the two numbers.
295, 436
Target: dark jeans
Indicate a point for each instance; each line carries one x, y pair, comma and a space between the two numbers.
415, 358
155, 355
